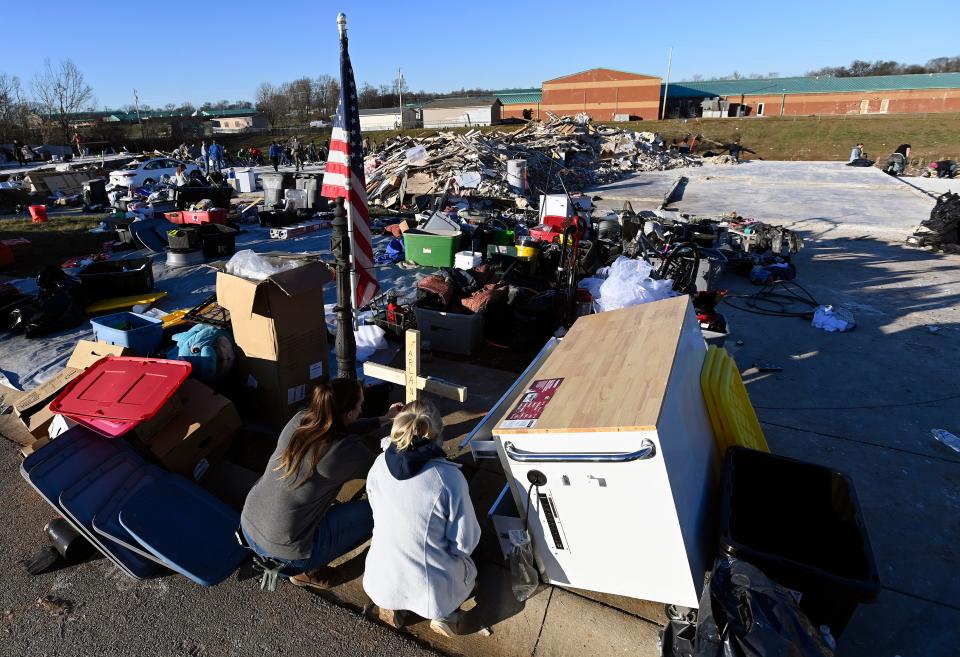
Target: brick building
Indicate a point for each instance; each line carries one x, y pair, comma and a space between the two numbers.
520, 103
880, 94
603, 93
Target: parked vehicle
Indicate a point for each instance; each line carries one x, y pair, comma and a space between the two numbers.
146, 172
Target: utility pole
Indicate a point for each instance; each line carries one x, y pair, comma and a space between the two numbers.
136, 106
666, 87
400, 93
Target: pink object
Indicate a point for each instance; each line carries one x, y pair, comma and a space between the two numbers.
117, 393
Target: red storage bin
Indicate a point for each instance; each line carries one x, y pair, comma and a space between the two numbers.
212, 216
117, 393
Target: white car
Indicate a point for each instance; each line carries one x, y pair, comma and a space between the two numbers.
145, 172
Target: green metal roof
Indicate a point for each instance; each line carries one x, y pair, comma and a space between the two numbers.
812, 85
520, 96
216, 114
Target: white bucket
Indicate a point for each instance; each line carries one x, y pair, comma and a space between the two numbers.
467, 259
517, 176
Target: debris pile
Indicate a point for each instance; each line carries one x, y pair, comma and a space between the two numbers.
942, 229
557, 153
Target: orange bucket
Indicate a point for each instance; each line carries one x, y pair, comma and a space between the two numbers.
39, 214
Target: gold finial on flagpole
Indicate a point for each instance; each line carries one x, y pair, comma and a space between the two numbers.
342, 23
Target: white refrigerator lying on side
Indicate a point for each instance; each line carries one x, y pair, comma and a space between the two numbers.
608, 449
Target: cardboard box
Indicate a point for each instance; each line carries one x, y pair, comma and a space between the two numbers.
196, 436
281, 336
33, 408
266, 314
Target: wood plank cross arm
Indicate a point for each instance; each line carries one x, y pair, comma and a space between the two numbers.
411, 378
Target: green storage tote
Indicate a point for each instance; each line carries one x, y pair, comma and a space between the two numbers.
434, 249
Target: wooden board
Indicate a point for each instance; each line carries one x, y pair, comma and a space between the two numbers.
615, 367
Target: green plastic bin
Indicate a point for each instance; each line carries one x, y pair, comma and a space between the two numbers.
434, 249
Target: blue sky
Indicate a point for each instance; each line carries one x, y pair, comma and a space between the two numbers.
447, 45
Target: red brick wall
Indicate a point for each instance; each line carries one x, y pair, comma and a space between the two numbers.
516, 110
907, 101
602, 93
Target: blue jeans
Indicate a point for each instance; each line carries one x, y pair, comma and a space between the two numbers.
342, 529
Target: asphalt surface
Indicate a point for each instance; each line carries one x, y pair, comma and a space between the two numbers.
98, 611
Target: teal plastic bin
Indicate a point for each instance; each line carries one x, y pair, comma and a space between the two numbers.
433, 249
141, 333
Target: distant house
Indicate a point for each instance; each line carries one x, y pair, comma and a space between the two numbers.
462, 112
387, 118
235, 120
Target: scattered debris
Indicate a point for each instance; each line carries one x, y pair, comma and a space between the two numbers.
55, 606
833, 319
558, 152
942, 229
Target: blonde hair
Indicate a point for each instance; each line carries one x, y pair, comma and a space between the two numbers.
418, 419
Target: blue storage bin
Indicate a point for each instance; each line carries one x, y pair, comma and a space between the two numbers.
141, 333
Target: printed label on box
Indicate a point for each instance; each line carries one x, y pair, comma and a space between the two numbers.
316, 371
532, 404
251, 382
426, 250
296, 394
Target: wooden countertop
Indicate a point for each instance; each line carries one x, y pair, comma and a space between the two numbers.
615, 367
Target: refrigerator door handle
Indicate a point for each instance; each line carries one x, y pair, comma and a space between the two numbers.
646, 451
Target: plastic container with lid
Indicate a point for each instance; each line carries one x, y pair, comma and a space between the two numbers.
116, 394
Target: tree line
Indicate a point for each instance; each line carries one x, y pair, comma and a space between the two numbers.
296, 103
861, 68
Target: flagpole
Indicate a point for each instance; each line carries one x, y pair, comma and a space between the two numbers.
346, 345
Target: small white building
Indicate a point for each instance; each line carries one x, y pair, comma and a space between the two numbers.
462, 112
387, 118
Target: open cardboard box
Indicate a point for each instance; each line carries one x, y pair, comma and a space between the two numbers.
281, 335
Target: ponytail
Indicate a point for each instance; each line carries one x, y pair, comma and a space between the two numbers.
323, 418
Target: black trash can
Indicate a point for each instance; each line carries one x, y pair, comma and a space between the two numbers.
95, 192
801, 524
218, 240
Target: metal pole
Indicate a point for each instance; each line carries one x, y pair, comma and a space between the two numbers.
400, 93
345, 343
666, 87
136, 105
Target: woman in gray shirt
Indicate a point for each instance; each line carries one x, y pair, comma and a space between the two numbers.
289, 514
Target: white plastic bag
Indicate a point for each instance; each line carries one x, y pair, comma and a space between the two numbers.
256, 267
524, 578
629, 284
369, 338
832, 319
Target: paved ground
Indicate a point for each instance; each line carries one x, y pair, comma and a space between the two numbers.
863, 402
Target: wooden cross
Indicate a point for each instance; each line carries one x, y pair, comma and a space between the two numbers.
410, 376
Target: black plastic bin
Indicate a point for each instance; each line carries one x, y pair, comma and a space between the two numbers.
801, 524
117, 278
218, 240
185, 238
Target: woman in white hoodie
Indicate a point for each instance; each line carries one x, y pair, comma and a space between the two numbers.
424, 525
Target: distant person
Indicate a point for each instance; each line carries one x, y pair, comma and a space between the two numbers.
858, 157
216, 155
311, 152
256, 155
424, 526
275, 153
366, 145
18, 152
897, 162
325, 150
684, 148
204, 153
78, 143
27, 153
180, 178
296, 150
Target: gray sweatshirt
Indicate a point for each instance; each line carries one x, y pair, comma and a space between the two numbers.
283, 520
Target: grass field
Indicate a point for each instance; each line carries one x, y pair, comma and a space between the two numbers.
932, 136
51, 243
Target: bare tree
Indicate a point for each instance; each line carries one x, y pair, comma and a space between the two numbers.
272, 103
61, 91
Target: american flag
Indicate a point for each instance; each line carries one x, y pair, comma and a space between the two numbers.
344, 177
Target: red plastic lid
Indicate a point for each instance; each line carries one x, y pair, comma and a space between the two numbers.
121, 389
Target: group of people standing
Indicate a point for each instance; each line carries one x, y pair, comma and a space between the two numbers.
417, 512
293, 153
